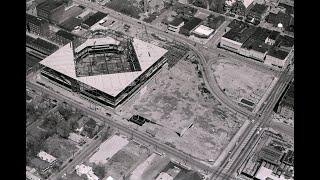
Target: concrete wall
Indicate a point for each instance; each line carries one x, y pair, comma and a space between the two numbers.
230, 44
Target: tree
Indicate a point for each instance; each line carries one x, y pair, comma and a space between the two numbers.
99, 170
63, 129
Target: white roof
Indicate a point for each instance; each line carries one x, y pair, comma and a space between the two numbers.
203, 30
87, 170
164, 176
97, 42
109, 178
46, 157
62, 61
265, 173
75, 137
246, 3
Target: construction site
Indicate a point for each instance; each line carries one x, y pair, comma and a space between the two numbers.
243, 84
184, 115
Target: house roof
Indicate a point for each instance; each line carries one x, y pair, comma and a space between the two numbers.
63, 62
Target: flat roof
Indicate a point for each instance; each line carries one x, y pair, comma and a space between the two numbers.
45, 44
194, 22
70, 23
176, 22
203, 30
94, 18
270, 154
66, 35
63, 61
277, 53
257, 40
35, 20
274, 35
49, 5
240, 32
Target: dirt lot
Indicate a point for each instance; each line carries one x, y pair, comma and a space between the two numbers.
174, 101
240, 81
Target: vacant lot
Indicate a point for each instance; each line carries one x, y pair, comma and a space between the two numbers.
175, 99
239, 81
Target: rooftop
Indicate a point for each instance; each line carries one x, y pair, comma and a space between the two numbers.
288, 99
46, 157
283, 18
194, 22
274, 35
63, 61
240, 32
203, 30
94, 18
49, 5
35, 20
66, 35
45, 44
176, 22
270, 155
258, 9
277, 53
257, 40
70, 23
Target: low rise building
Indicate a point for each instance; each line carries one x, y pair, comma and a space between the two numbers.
189, 26
37, 25
164, 176
237, 33
41, 165
95, 18
255, 47
286, 105
47, 157
63, 37
175, 25
52, 11
280, 53
86, 170
203, 31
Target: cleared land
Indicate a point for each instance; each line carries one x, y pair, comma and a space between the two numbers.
175, 99
239, 81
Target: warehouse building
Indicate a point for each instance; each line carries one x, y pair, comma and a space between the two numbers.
280, 53
255, 47
120, 65
238, 33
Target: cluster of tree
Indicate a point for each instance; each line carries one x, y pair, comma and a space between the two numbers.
200, 3
99, 170
217, 5
34, 143
215, 22
125, 7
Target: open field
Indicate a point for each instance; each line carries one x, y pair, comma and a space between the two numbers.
175, 99
239, 81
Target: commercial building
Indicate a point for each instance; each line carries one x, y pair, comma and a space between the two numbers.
41, 45
86, 170
120, 66
189, 26
93, 19
64, 37
237, 33
280, 53
37, 25
70, 24
175, 25
286, 105
203, 31
51, 10
255, 47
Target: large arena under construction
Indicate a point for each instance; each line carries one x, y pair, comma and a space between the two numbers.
104, 65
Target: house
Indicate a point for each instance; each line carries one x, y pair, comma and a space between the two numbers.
76, 138
87, 170
175, 25
47, 157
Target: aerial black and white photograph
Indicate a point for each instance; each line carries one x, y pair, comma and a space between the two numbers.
159, 90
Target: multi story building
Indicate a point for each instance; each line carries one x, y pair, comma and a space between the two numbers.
175, 25
37, 25
286, 105
63, 37
51, 10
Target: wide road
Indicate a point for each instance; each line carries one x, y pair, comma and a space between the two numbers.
125, 130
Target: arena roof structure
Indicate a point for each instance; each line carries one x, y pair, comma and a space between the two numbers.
147, 54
